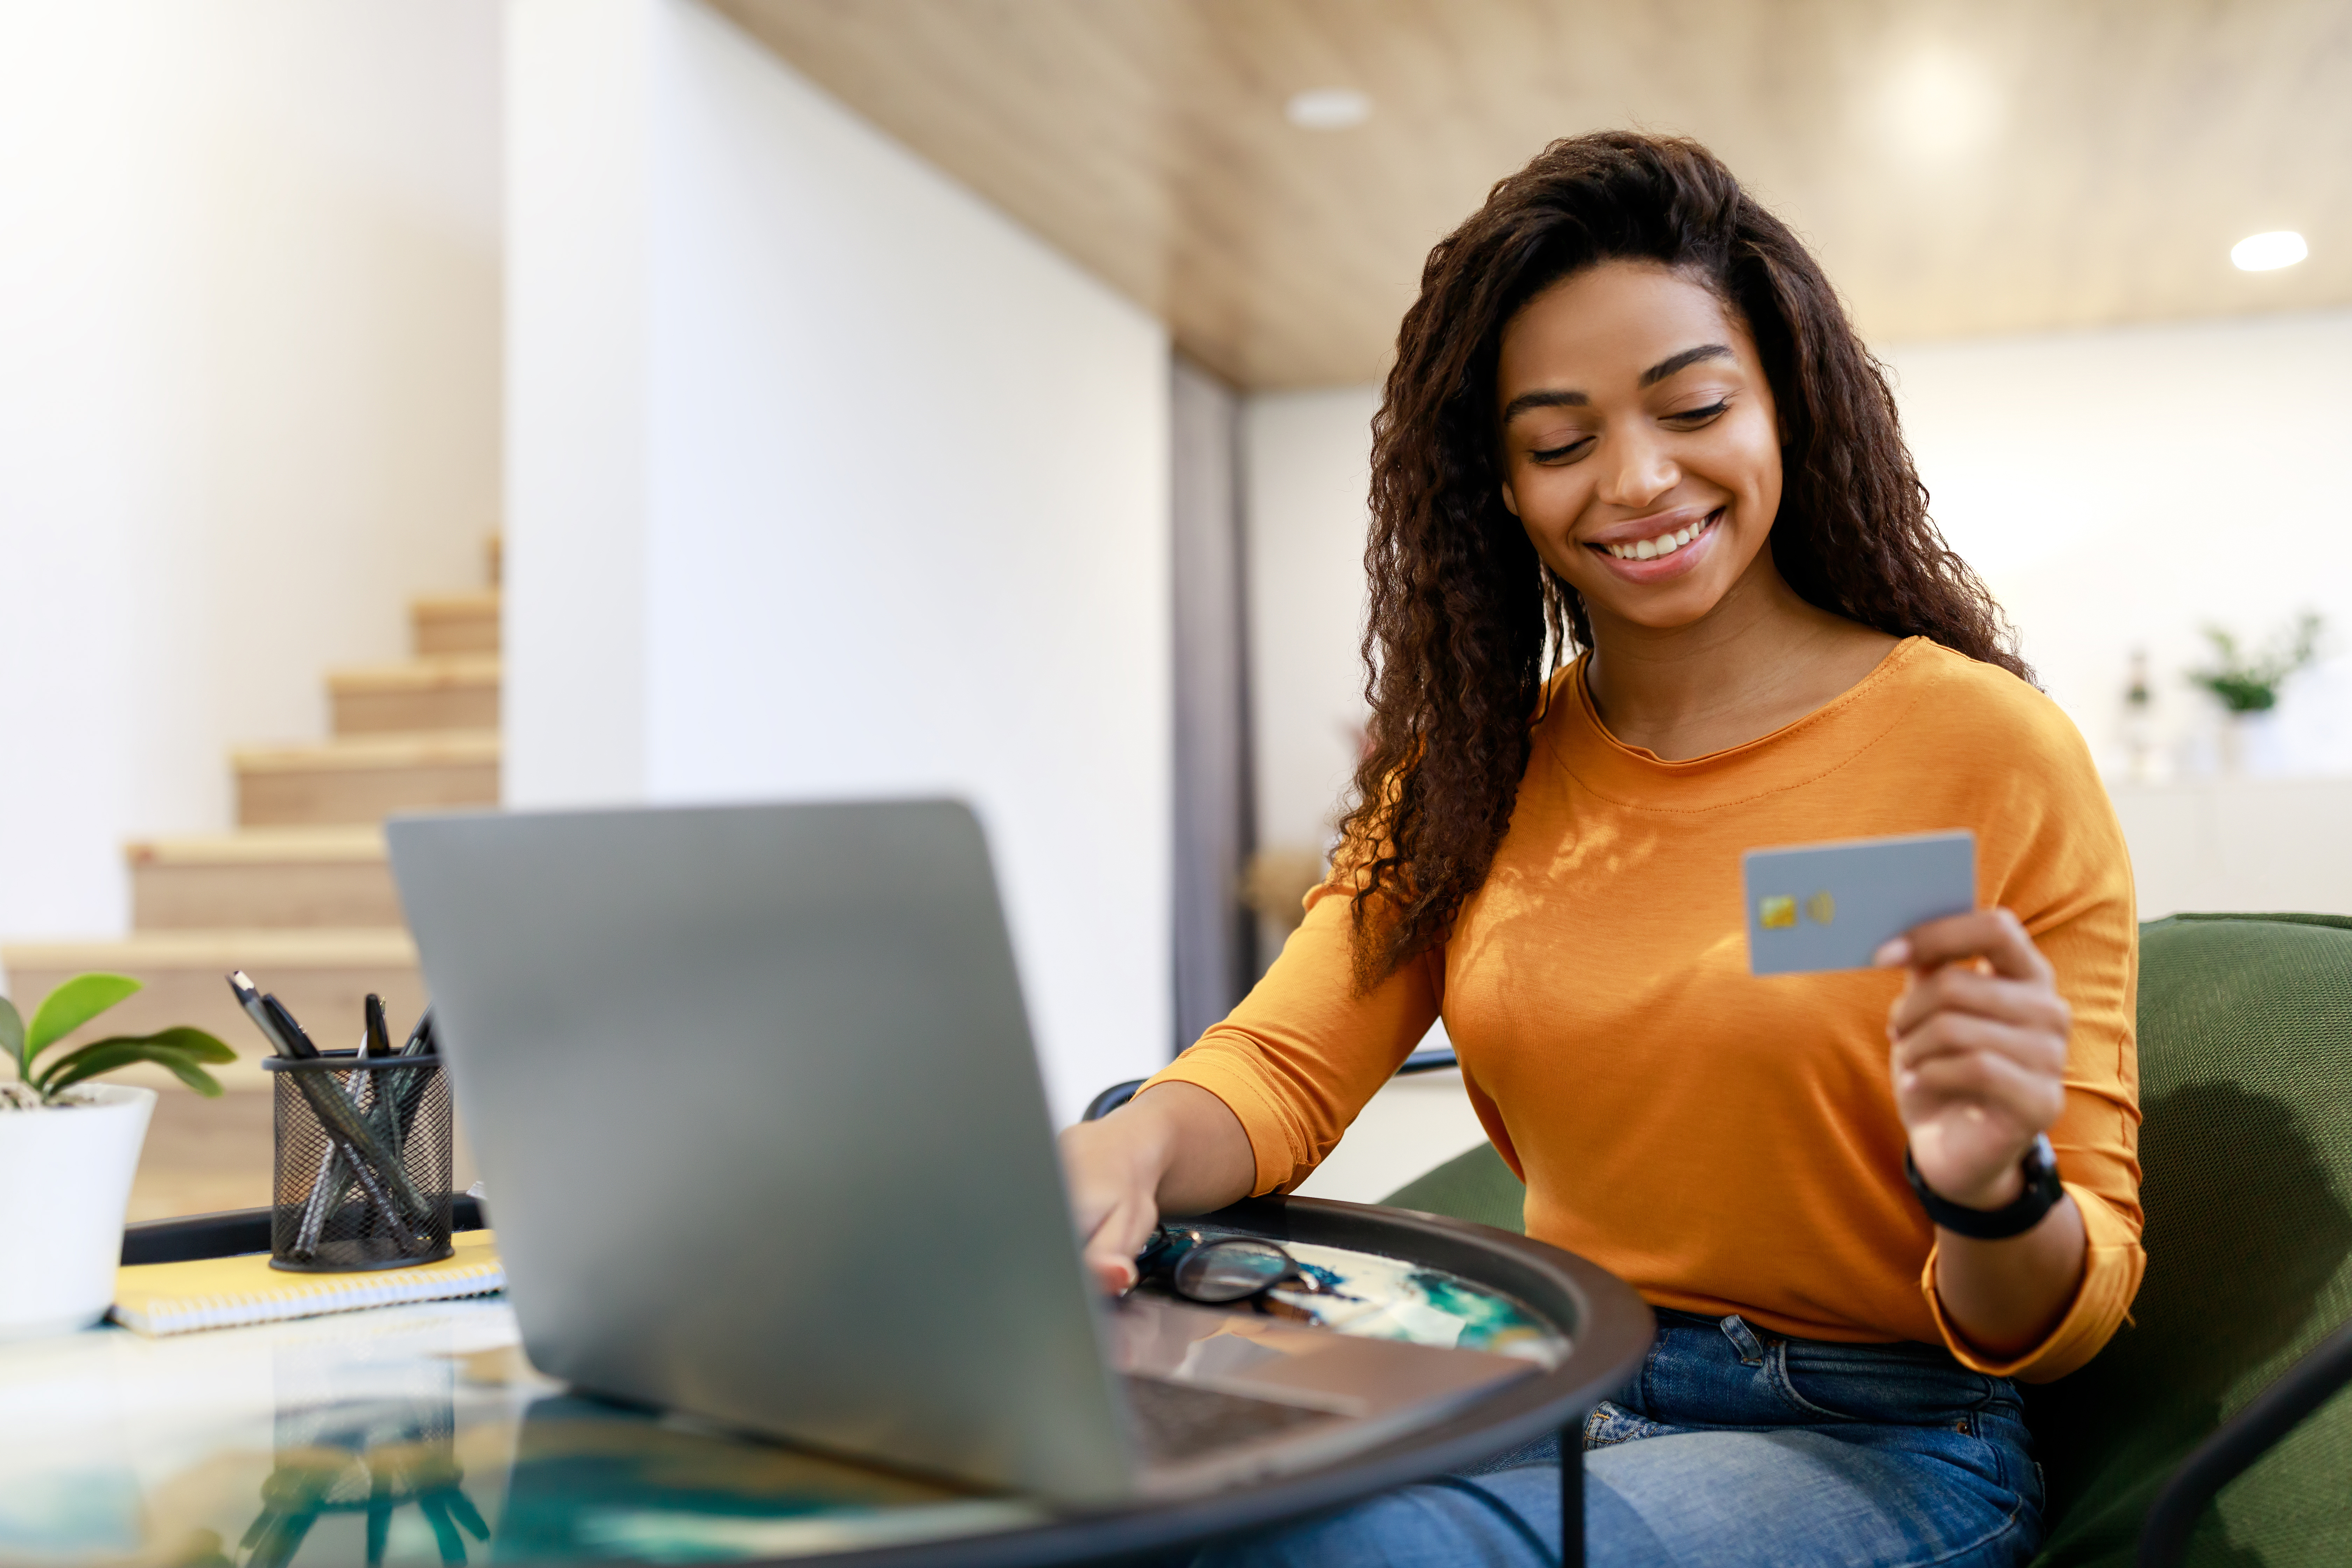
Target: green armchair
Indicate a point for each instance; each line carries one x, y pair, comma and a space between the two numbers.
2224, 1381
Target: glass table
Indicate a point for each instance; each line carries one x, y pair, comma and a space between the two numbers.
421, 1434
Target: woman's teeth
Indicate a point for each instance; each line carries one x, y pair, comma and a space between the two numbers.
1664, 544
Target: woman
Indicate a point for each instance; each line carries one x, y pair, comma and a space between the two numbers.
1629, 417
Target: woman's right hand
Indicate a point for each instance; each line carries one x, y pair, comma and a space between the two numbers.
1175, 1149
1114, 1196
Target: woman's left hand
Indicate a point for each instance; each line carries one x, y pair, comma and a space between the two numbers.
1979, 1052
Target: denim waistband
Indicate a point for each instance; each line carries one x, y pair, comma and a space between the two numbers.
1710, 1371
1744, 1334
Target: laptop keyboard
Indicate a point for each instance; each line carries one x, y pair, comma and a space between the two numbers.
1178, 1421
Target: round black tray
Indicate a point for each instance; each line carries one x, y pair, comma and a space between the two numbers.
1608, 1326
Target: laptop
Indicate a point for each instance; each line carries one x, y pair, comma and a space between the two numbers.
754, 1098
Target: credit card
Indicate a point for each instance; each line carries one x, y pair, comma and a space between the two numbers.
1831, 906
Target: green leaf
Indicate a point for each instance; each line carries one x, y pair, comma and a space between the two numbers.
88, 1061
198, 1044
122, 1050
71, 1006
195, 1077
12, 1035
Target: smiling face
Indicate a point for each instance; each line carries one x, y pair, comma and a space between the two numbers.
1641, 445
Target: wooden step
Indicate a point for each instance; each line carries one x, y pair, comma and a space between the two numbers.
263, 877
323, 976
205, 1155
365, 778
455, 623
451, 691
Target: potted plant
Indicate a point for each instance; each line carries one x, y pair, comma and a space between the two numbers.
69, 1146
2246, 684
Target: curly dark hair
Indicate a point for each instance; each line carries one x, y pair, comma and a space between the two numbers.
1467, 625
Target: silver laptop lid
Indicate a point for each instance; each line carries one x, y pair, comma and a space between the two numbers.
755, 1096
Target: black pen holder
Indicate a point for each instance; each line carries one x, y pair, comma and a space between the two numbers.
363, 1163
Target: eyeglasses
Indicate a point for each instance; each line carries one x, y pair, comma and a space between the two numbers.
1219, 1270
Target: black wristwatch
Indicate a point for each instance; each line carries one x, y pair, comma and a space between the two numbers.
2041, 1195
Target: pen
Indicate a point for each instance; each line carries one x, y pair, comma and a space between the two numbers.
326, 1191
327, 1187
334, 1107
294, 1034
423, 1041
287, 1039
371, 1178
383, 1087
248, 998
344, 1126
420, 1041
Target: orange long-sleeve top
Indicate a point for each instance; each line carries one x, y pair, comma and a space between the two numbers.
1723, 1142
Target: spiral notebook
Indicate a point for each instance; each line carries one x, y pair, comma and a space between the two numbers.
156, 1299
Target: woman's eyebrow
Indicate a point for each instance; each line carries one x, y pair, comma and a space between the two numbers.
1527, 400
1650, 377
1683, 361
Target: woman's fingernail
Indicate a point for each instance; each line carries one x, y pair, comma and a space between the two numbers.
1890, 953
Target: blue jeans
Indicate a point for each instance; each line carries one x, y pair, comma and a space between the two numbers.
1733, 1447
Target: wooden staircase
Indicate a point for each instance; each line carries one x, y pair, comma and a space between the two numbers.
299, 896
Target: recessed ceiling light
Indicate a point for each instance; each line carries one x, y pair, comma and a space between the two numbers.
2268, 252
1937, 105
1327, 109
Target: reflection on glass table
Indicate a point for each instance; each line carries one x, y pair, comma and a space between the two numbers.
395, 1436
371, 1458
419, 1434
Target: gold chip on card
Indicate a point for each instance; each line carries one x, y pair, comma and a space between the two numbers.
1776, 913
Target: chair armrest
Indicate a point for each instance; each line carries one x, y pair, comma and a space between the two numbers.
1110, 1099
2238, 1442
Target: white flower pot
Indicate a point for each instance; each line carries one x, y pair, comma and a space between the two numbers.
65, 1182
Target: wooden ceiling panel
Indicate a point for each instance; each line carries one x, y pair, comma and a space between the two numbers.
1997, 166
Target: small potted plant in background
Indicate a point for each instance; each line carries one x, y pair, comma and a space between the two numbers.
2246, 684
69, 1146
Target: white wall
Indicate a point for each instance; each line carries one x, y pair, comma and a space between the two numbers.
1307, 465
828, 480
2239, 842
2121, 489
2117, 488
248, 393
578, 329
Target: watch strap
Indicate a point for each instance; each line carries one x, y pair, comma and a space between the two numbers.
2041, 1194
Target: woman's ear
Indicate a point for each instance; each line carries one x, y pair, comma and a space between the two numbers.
1511, 501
